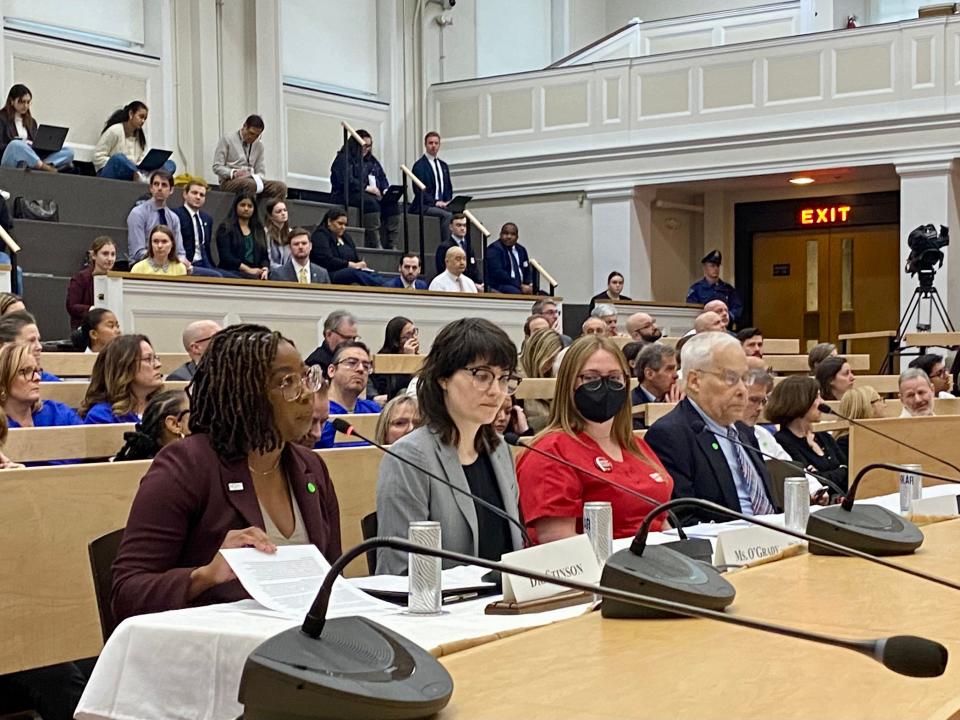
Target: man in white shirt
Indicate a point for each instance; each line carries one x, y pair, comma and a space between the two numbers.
916, 393
453, 278
298, 267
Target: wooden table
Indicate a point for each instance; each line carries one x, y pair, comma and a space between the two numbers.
595, 668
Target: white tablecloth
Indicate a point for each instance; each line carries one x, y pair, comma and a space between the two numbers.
186, 664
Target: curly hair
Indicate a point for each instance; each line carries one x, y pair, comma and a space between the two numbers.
228, 392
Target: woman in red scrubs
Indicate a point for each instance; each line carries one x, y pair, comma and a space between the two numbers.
590, 425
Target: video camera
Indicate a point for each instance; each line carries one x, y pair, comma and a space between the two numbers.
925, 250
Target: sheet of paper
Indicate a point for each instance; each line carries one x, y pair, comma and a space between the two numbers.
288, 580
456, 578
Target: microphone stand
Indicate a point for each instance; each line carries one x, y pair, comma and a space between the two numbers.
847, 503
640, 540
888, 651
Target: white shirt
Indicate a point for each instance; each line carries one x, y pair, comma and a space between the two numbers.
297, 267
21, 130
196, 222
447, 282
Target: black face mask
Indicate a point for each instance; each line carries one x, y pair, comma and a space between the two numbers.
601, 404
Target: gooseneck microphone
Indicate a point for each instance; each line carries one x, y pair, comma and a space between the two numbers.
825, 480
639, 545
869, 528
826, 409
341, 425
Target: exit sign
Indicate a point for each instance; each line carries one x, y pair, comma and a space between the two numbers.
827, 215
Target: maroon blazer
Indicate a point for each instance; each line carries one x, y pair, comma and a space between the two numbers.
80, 295
183, 510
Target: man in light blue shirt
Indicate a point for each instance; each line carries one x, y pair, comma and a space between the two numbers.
695, 439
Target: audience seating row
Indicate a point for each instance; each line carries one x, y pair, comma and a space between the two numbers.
80, 365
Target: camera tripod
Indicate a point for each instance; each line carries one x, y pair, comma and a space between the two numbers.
924, 292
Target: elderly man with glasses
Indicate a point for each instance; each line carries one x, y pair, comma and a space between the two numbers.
698, 440
348, 373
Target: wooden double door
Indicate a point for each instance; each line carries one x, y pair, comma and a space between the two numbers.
816, 285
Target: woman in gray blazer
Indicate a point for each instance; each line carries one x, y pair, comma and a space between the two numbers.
463, 381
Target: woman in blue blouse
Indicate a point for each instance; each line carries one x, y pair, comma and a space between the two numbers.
20, 392
124, 377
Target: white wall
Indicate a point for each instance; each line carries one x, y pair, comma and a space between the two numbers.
620, 12
512, 36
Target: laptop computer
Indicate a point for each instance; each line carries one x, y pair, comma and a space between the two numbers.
154, 159
49, 139
459, 203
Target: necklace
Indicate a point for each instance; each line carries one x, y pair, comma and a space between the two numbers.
263, 473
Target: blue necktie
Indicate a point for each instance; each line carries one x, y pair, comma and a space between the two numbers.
758, 497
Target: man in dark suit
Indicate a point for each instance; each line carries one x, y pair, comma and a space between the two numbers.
460, 237
435, 175
693, 439
196, 227
409, 274
507, 265
298, 267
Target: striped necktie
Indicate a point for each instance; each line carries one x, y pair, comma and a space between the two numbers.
758, 496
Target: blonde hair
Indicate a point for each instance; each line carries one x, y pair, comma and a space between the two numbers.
539, 350
11, 360
386, 415
564, 415
857, 404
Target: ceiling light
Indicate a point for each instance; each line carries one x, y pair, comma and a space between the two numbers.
802, 180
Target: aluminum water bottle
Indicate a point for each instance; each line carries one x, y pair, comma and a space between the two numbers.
424, 596
796, 503
598, 526
911, 486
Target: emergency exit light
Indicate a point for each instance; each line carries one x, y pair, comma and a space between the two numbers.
828, 215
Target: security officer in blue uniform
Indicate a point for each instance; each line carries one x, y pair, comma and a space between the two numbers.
711, 287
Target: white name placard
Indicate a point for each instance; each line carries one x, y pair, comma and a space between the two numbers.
747, 545
571, 558
942, 506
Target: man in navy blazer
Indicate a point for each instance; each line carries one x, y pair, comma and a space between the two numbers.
298, 267
507, 265
693, 440
459, 235
409, 274
434, 173
191, 217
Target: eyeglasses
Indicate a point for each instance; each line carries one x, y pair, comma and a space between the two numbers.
292, 386
29, 373
591, 381
761, 401
939, 373
151, 360
410, 335
354, 363
878, 400
483, 380
729, 377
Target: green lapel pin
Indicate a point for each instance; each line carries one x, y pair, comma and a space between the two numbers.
713, 445
311, 487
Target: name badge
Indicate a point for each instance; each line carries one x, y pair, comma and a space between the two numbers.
748, 545
235, 486
572, 558
603, 464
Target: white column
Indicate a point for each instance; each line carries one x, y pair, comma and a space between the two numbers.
928, 194
621, 238
269, 87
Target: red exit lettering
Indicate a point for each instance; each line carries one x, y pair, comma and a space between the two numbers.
825, 215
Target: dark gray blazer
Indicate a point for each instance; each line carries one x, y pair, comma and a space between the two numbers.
184, 372
287, 273
405, 495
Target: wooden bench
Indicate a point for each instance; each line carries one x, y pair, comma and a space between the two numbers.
883, 384
397, 364
72, 392
365, 423
800, 363
48, 611
70, 365
85, 442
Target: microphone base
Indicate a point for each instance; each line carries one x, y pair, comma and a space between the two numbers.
666, 574
356, 669
868, 528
